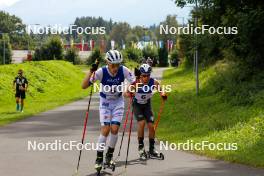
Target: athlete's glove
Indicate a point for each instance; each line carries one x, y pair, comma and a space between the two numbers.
164, 96
94, 67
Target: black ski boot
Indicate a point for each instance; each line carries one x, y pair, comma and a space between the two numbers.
142, 153
152, 152
99, 162
109, 162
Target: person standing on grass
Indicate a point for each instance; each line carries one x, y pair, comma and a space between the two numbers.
20, 85
111, 107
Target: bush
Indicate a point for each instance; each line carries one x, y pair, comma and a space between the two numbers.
174, 58
72, 55
163, 56
52, 50
96, 54
8, 51
151, 52
235, 85
132, 54
37, 54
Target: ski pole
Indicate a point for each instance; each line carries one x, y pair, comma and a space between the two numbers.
129, 135
159, 115
85, 122
124, 127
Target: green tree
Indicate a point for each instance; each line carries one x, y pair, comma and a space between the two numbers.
132, 54
5, 52
51, 50
120, 32
72, 55
54, 49
163, 56
174, 58
171, 22
96, 55
13, 26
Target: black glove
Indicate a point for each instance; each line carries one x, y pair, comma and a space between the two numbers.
137, 72
164, 97
94, 67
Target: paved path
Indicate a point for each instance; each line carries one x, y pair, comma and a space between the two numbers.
65, 124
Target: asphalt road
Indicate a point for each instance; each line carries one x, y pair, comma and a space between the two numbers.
64, 124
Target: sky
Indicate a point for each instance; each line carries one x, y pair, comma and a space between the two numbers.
135, 12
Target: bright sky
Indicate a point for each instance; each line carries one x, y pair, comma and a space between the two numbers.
135, 12
5, 3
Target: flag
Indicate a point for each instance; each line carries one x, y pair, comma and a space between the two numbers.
82, 44
123, 45
160, 44
171, 45
112, 44
102, 46
168, 45
92, 44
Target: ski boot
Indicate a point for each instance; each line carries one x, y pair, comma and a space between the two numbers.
99, 163
142, 153
109, 162
152, 152
155, 155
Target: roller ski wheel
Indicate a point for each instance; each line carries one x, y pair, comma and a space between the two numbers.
155, 155
98, 167
143, 155
110, 165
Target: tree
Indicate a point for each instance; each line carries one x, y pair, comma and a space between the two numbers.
5, 52
96, 55
132, 54
246, 47
174, 58
72, 55
13, 26
163, 56
51, 50
171, 22
119, 32
54, 49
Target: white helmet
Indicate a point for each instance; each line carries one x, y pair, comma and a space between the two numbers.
145, 69
114, 57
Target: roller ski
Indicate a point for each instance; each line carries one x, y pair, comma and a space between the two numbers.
153, 154
99, 163
142, 153
109, 162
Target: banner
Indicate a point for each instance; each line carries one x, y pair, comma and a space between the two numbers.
112, 44
160, 44
92, 44
102, 46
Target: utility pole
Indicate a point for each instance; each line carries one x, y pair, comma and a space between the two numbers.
4, 51
196, 51
4, 59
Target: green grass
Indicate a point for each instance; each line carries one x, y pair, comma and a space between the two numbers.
51, 83
212, 116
